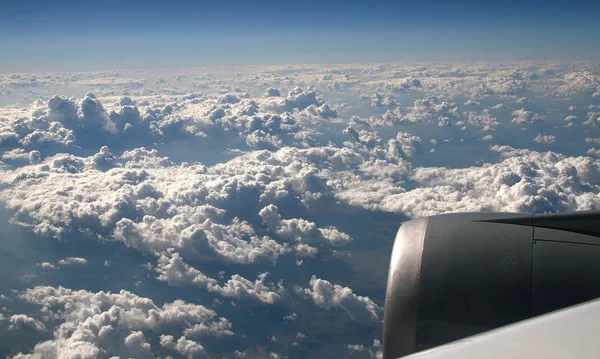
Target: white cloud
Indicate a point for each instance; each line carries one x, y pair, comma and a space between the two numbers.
107, 324
46, 265
433, 109
301, 230
484, 120
375, 351
244, 290
183, 346
525, 181
272, 92
219, 186
594, 152
547, 139
72, 261
592, 140
526, 117
332, 296
173, 270
23, 322
593, 119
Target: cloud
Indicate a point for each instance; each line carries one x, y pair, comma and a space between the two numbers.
375, 351
272, 92
593, 119
592, 140
525, 181
88, 324
183, 346
332, 296
378, 100
526, 117
72, 261
46, 266
173, 270
263, 141
288, 170
547, 139
23, 322
594, 152
244, 290
578, 82
483, 120
301, 230
432, 109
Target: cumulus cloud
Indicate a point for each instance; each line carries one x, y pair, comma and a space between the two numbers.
88, 324
432, 109
46, 265
173, 270
23, 322
593, 119
375, 351
483, 120
301, 230
525, 181
244, 290
594, 152
526, 117
332, 296
183, 346
547, 139
272, 92
72, 261
218, 176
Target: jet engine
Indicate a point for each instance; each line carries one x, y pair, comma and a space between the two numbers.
455, 275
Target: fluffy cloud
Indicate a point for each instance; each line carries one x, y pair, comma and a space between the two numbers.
332, 296
431, 109
183, 346
375, 351
88, 325
46, 265
244, 290
72, 261
301, 230
547, 139
23, 322
173, 270
483, 120
218, 176
593, 119
526, 117
525, 181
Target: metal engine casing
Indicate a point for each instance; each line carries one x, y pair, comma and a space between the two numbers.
455, 275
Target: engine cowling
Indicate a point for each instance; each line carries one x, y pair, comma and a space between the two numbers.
456, 275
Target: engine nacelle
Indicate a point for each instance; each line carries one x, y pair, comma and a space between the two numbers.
456, 275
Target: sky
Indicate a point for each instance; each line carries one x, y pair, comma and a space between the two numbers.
83, 35
226, 179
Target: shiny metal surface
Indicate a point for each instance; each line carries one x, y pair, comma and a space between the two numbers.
402, 294
564, 274
456, 275
475, 276
554, 235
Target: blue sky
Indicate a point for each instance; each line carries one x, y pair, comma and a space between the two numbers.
97, 35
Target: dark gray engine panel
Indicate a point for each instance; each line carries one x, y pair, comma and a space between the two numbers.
479, 271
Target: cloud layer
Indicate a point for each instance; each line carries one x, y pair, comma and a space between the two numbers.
249, 212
